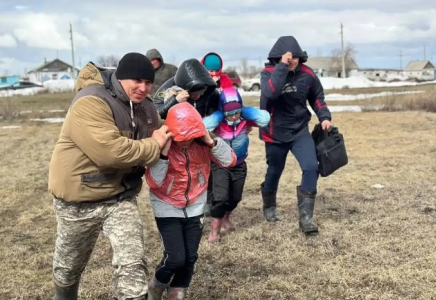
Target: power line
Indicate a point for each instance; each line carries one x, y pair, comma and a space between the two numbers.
343, 52
72, 52
401, 60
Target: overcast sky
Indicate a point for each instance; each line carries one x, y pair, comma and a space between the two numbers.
31, 30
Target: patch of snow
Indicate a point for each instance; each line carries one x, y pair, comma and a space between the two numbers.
56, 110
330, 83
11, 127
363, 82
23, 92
341, 97
340, 108
378, 186
249, 93
59, 86
50, 120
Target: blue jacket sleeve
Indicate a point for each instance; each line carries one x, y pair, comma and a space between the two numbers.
272, 81
258, 116
212, 121
316, 101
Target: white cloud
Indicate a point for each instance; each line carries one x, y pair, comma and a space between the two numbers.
42, 30
21, 7
11, 66
7, 40
235, 29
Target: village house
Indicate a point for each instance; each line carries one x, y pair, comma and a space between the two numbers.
381, 74
420, 70
52, 70
331, 66
8, 80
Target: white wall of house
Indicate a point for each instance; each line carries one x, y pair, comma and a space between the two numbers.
427, 74
380, 75
44, 76
330, 73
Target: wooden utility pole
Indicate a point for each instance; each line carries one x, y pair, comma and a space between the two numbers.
72, 53
401, 60
343, 51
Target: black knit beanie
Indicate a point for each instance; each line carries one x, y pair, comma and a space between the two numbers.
135, 66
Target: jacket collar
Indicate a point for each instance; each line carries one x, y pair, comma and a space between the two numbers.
118, 90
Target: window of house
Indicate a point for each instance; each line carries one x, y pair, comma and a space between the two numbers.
54, 76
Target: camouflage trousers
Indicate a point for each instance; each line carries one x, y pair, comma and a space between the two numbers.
79, 225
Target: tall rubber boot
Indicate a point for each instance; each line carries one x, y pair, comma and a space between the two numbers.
67, 292
175, 293
269, 204
155, 289
306, 204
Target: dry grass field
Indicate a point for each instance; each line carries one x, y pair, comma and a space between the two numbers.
374, 243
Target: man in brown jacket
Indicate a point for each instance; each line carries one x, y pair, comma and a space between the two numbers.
110, 134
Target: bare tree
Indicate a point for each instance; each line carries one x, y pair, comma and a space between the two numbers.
108, 61
244, 68
349, 53
254, 71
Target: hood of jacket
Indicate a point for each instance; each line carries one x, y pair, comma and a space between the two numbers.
185, 123
93, 75
216, 54
154, 54
193, 76
229, 95
285, 44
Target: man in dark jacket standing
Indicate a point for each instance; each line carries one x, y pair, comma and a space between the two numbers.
286, 85
163, 71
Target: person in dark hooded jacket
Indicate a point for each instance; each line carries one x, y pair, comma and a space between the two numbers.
162, 70
193, 84
286, 86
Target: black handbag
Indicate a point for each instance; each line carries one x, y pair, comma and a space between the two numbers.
330, 150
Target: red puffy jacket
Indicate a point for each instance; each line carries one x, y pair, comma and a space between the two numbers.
189, 168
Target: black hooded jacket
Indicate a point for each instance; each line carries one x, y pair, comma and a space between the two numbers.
284, 94
191, 76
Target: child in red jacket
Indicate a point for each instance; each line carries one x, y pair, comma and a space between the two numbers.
178, 191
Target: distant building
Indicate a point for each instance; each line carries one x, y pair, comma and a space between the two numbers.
52, 70
420, 70
8, 80
331, 66
381, 74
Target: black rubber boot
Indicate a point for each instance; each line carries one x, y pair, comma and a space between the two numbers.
269, 204
67, 292
306, 204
